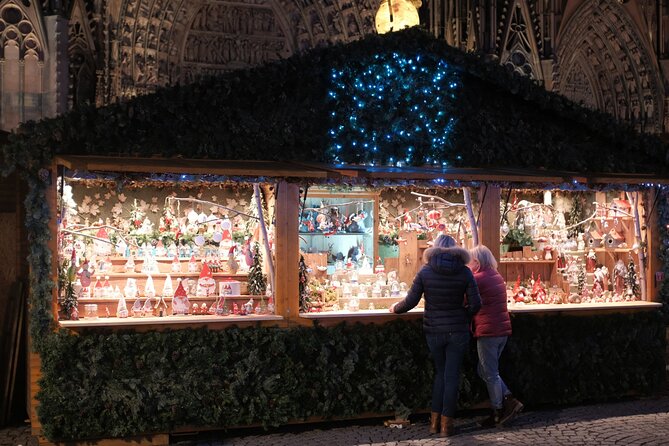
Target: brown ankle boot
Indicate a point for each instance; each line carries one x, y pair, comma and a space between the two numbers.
434, 422
447, 428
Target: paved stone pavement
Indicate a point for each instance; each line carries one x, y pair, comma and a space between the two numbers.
635, 422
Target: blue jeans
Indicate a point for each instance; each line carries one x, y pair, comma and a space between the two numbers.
489, 351
447, 350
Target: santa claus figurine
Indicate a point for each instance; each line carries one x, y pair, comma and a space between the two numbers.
591, 262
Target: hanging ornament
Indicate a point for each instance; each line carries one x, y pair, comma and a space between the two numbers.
192, 217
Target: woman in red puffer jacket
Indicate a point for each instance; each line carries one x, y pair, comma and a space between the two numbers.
492, 327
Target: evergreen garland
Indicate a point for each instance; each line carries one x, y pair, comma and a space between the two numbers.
305, 294
101, 384
257, 280
663, 229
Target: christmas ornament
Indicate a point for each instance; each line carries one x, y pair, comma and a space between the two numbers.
180, 302
176, 265
149, 289
107, 289
192, 265
121, 307
130, 264
130, 289
206, 285
233, 266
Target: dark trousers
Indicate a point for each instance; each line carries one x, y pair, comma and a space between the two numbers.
447, 350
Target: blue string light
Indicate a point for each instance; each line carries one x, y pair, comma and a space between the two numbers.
393, 109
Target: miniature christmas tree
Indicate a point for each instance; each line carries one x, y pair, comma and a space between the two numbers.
575, 216
581, 279
67, 276
305, 293
257, 281
632, 281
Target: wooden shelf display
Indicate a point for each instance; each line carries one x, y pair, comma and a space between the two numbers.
138, 259
372, 283
340, 225
586, 255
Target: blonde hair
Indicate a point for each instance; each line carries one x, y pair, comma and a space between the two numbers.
485, 258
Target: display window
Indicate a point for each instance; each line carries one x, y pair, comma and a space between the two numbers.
576, 249
361, 248
133, 252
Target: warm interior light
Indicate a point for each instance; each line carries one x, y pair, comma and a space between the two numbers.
394, 15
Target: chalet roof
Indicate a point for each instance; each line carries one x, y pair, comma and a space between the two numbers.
284, 112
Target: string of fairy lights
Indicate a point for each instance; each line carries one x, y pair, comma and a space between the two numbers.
393, 110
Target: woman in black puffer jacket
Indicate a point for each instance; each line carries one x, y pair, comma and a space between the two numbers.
451, 299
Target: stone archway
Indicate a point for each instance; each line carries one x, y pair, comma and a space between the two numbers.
604, 63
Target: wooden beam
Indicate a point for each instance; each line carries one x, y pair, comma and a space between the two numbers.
189, 166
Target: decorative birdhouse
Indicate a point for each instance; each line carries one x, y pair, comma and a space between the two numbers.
594, 239
613, 239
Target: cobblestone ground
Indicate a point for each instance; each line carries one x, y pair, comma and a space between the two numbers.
639, 422
636, 422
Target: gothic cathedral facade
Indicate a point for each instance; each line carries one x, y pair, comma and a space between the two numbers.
610, 55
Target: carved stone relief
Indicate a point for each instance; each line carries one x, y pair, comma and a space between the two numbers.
232, 36
164, 42
602, 37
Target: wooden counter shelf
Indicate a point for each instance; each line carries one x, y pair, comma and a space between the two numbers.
187, 319
155, 323
174, 276
355, 314
503, 260
515, 308
574, 308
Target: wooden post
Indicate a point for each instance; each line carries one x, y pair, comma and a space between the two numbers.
652, 237
489, 198
265, 238
633, 197
287, 250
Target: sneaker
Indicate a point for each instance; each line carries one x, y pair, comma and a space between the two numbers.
512, 407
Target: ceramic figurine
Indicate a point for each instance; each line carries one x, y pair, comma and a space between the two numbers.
206, 285
180, 302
